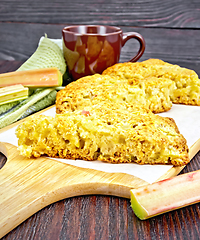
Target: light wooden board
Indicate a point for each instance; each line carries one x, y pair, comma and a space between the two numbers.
28, 185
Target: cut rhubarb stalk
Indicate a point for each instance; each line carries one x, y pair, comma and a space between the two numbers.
46, 77
166, 195
13, 93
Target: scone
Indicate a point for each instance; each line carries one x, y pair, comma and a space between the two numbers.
187, 90
107, 132
152, 93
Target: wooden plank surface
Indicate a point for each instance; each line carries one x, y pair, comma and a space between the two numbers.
176, 14
176, 46
103, 217
171, 30
28, 185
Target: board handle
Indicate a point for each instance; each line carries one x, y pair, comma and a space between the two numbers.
28, 185
194, 149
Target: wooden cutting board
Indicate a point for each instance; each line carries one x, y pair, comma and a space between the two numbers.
28, 185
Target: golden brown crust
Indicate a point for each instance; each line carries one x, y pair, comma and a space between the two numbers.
107, 132
110, 117
152, 93
187, 90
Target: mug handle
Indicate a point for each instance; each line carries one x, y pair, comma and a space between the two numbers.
129, 35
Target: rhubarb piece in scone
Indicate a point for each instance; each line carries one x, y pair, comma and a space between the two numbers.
152, 93
107, 132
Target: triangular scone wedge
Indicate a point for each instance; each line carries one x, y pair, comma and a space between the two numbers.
187, 90
107, 132
152, 93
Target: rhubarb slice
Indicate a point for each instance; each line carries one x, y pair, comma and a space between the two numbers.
166, 195
17, 112
13, 93
47, 77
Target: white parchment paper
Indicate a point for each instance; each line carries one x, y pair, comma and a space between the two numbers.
187, 119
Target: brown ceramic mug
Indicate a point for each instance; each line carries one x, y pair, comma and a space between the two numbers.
90, 49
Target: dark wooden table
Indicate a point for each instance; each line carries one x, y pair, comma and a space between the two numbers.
172, 33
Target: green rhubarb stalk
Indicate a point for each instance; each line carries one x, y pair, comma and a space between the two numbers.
45, 102
166, 195
14, 114
13, 93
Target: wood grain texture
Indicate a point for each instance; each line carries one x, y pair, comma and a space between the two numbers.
176, 46
103, 217
28, 185
178, 14
171, 30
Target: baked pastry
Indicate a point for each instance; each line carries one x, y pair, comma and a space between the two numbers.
187, 90
110, 117
153, 93
109, 132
